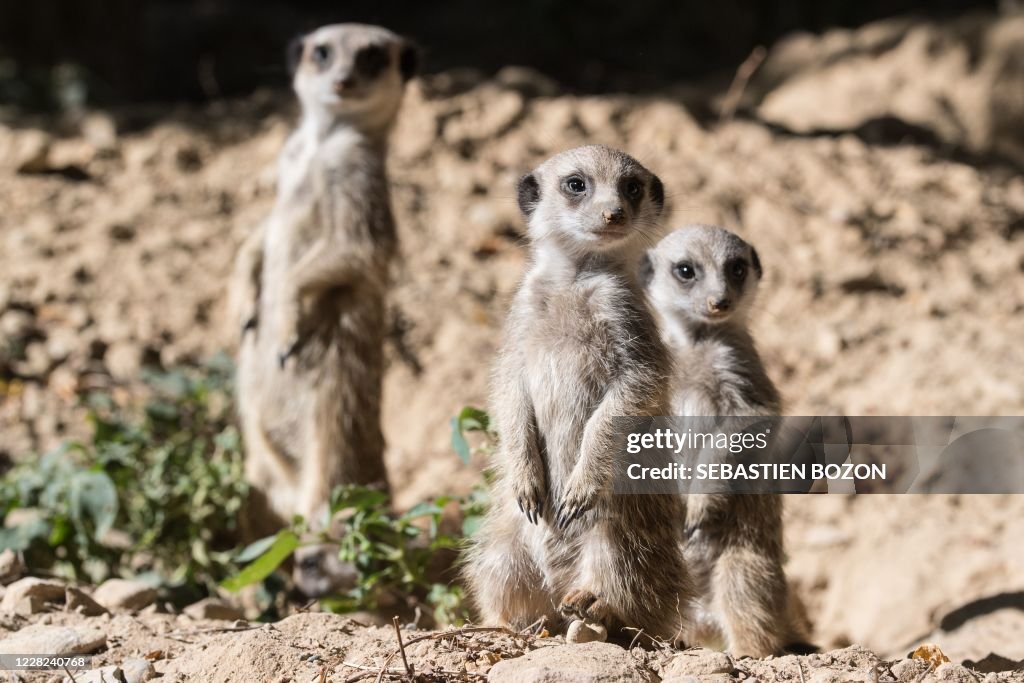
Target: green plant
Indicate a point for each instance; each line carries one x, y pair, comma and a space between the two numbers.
392, 553
155, 491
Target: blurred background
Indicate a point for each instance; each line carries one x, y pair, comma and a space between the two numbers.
872, 151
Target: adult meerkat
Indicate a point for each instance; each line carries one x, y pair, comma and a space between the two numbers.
701, 282
311, 282
580, 348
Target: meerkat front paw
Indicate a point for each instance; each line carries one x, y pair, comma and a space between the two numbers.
580, 496
529, 497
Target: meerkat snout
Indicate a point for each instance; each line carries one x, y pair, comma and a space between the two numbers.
614, 216
716, 305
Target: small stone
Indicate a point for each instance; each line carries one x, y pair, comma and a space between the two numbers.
699, 662
124, 594
100, 131
39, 639
137, 670
15, 324
11, 567
581, 632
42, 590
80, 602
123, 360
213, 608
31, 153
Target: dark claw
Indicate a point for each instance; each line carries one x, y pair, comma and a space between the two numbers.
282, 358
250, 324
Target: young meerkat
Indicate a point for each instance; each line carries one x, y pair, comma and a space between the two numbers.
310, 287
580, 347
701, 282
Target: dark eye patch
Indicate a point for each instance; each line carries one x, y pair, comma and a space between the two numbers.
736, 270
632, 190
371, 61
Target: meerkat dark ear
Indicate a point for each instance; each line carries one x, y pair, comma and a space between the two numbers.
658, 193
755, 261
646, 271
409, 61
294, 53
528, 193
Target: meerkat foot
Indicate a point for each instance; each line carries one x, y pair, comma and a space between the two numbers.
584, 604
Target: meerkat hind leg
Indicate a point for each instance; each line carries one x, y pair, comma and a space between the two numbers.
750, 597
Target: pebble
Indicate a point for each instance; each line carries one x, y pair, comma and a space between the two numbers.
124, 594
78, 601
11, 567
214, 608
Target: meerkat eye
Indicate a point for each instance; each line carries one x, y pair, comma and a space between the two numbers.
634, 189
575, 184
685, 271
738, 270
321, 55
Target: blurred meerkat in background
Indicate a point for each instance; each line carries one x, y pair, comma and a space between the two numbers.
310, 287
701, 282
580, 348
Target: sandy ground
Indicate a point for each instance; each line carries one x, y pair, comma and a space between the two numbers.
893, 275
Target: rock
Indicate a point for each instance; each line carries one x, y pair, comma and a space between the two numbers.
137, 670
580, 663
106, 674
15, 324
22, 593
214, 608
11, 567
31, 153
699, 662
123, 359
80, 602
581, 632
100, 131
124, 594
954, 672
40, 639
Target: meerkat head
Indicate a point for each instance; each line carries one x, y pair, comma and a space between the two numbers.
591, 199
703, 274
352, 72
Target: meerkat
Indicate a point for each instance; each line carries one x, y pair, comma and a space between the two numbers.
580, 347
310, 285
701, 282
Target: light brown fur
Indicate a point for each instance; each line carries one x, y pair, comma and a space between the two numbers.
733, 543
310, 284
580, 348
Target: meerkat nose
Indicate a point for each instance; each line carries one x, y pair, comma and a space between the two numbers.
344, 83
719, 305
614, 216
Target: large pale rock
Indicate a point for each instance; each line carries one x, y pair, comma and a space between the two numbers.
214, 608
40, 639
11, 567
123, 594
27, 596
580, 663
580, 631
106, 674
137, 670
78, 601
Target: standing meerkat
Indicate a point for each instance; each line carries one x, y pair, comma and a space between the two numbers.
310, 284
702, 281
580, 348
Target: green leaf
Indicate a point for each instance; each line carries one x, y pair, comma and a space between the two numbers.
469, 419
424, 509
255, 549
358, 497
93, 494
283, 546
471, 524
